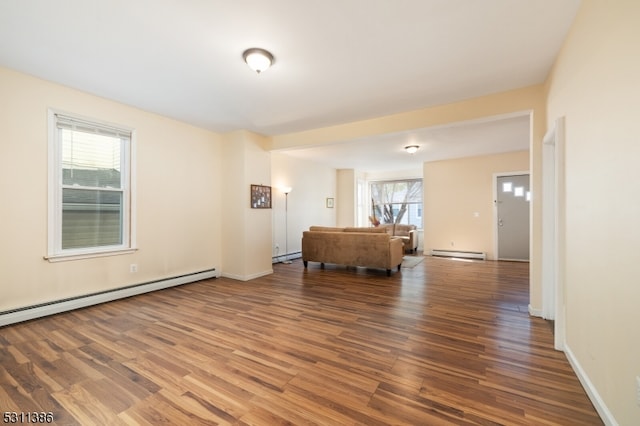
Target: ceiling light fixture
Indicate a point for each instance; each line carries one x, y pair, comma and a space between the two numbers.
258, 59
411, 149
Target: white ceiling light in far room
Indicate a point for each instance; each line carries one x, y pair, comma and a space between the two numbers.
258, 59
411, 149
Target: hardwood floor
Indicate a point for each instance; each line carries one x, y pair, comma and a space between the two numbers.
444, 342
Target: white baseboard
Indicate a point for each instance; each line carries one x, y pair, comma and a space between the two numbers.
247, 277
283, 257
534, 312
45, 309
592, 392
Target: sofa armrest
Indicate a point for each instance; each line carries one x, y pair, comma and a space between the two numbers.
413, 240
396, 252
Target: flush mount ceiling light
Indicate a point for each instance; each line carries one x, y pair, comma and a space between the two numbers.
258, 59
411, 149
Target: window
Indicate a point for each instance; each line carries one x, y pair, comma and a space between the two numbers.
398, 201
90, 188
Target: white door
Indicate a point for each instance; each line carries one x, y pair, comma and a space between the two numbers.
512, 208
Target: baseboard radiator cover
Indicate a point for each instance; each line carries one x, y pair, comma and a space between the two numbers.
291, 256
461, 254
44, 309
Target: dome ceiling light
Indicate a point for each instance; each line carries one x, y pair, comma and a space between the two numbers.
258, 59
411, 149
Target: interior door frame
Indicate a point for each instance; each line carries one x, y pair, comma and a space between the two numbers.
495, 209
553, 231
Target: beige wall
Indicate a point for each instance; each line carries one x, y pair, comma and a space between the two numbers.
176, 165
186, 193
519, 100
311, 184
454, 191
346, 202
246, 232
595, 86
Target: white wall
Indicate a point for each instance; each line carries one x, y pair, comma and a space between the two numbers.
311, 185
595, 85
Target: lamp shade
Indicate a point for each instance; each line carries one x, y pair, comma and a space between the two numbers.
258, 59
286, 189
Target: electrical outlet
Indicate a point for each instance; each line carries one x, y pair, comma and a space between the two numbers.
133, 268
277, 246
451, 243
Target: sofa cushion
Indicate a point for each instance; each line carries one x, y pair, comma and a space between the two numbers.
403, 230
398, 230
347, 229
362, 229
325, 229
408, 234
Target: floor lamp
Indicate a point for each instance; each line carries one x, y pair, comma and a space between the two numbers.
286, 191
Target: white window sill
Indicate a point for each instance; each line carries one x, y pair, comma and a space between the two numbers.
79, 256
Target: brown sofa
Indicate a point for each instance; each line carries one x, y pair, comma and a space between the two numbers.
369, 247
408, 233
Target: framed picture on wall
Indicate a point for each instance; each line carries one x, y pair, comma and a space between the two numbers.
329, 203
260, 197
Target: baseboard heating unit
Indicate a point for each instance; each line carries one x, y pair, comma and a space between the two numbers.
461, 254
58, 306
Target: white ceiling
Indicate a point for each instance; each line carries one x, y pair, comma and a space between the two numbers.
337, 61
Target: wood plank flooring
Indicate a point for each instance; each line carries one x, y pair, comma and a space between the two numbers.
445, 342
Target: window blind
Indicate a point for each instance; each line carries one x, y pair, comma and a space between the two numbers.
72, 123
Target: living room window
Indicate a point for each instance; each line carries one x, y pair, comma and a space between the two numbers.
397, 201
89, 188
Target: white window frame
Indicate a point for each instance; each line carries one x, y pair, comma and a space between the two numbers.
400, 180
55, 252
